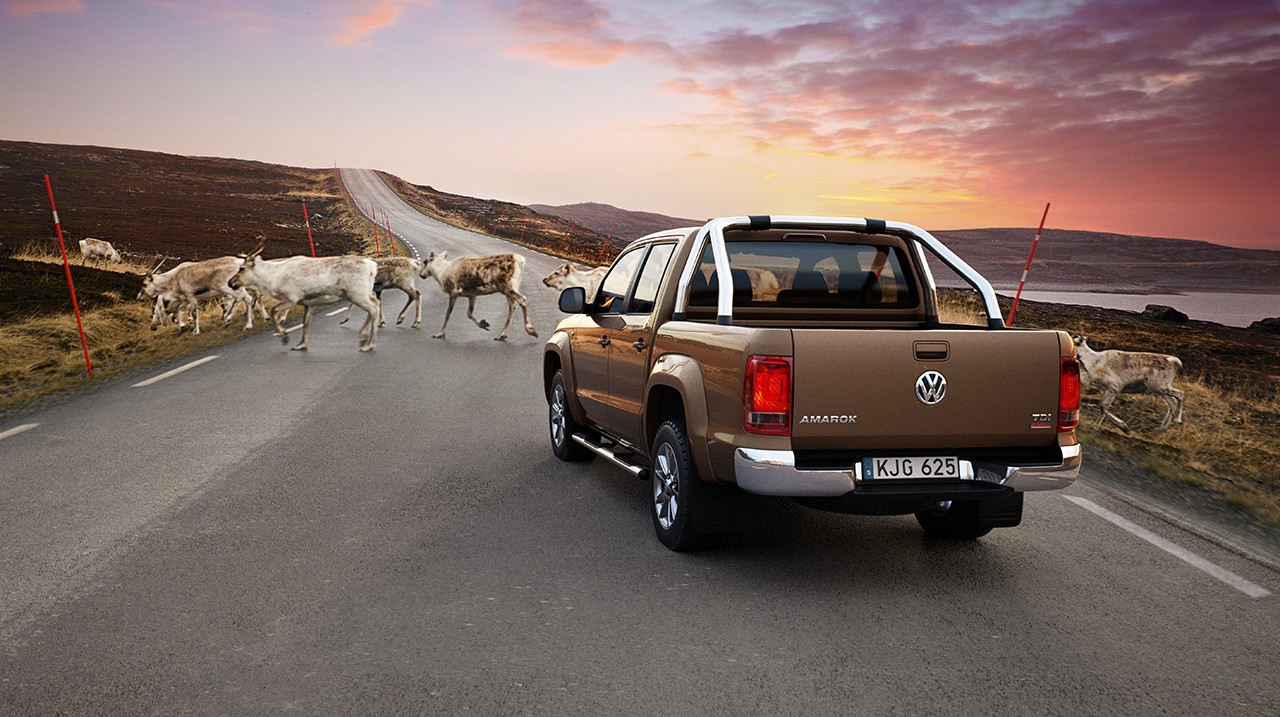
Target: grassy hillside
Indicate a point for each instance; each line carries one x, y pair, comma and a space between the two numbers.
151, 204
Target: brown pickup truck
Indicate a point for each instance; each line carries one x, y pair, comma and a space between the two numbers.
804, 357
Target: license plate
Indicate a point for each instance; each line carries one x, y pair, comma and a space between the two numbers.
915, 467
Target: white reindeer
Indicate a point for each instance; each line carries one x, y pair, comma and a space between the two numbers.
568, 275
189, 283
314, 282
97, 250
477, 276
1117, 372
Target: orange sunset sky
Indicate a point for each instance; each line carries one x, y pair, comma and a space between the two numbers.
1149, 117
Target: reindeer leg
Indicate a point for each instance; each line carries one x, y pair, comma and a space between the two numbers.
347, 316
405, 310
1168, 413
511, 310
1181, 398
247, 298
373, 305
471, 313
417, 313
277, 313
1107, 398
524, 309
381, 320
195, 315
306, 327
453, 298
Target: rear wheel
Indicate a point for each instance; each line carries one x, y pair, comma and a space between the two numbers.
688, 514
953, 520
562, 424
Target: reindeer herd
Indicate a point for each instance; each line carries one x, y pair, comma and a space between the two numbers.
313, 282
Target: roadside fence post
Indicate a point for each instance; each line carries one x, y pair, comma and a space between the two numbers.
307, 220
1027, 268
600, 256
66, 264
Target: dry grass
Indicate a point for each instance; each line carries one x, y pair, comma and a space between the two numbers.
960, 309
1226, 444
49, 253
42, 356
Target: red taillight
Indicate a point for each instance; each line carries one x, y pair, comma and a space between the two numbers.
767, 400
1068, 395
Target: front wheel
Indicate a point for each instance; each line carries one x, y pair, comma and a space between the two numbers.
562, 424
953, 520
688, 514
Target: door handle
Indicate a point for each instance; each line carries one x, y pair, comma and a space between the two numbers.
604, 342
638, 346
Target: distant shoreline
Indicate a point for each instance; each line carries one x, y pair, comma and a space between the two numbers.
1011, 289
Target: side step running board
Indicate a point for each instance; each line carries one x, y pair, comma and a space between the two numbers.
609, 455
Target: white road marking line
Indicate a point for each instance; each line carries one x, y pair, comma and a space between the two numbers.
293, 328
17, 429
1226, 576
335, 312
174, 372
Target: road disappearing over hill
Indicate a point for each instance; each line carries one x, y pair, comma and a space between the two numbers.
388, 533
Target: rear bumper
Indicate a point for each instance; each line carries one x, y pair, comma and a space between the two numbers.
775, 473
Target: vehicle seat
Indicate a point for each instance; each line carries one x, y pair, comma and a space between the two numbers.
860, 289
707, 293
808, 288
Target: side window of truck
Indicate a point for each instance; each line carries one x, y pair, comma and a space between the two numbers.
613, 290
655, 267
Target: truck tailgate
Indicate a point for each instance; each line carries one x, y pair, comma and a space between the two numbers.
857, 390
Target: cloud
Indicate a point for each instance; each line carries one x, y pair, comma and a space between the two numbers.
374, 16
1152, 103
27, 8
570, 33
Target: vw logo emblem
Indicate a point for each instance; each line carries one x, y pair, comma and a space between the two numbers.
931, 388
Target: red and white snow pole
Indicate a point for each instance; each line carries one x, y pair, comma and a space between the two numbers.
391, 238
1027, 268
66, 264
604, 244
307, 220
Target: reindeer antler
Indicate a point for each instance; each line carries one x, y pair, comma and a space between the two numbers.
261, 245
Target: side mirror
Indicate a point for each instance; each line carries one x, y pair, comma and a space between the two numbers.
573, 300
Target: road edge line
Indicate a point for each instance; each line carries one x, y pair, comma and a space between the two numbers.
173, 372
1214, 570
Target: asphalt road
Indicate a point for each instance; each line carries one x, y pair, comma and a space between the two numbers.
333, 532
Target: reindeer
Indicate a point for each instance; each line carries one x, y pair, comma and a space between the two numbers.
477, 276
1119, 372
97, 250
568, 275
313, 282
396, 272
191, 282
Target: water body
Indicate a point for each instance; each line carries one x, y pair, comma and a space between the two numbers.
1225, 309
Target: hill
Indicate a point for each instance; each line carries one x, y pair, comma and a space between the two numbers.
151, 203
621, 223
1069, 260
1066, 260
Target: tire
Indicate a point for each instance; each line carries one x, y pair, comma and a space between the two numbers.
562, 424
688, 514
959, 521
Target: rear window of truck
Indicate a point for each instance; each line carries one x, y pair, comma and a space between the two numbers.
809, 275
